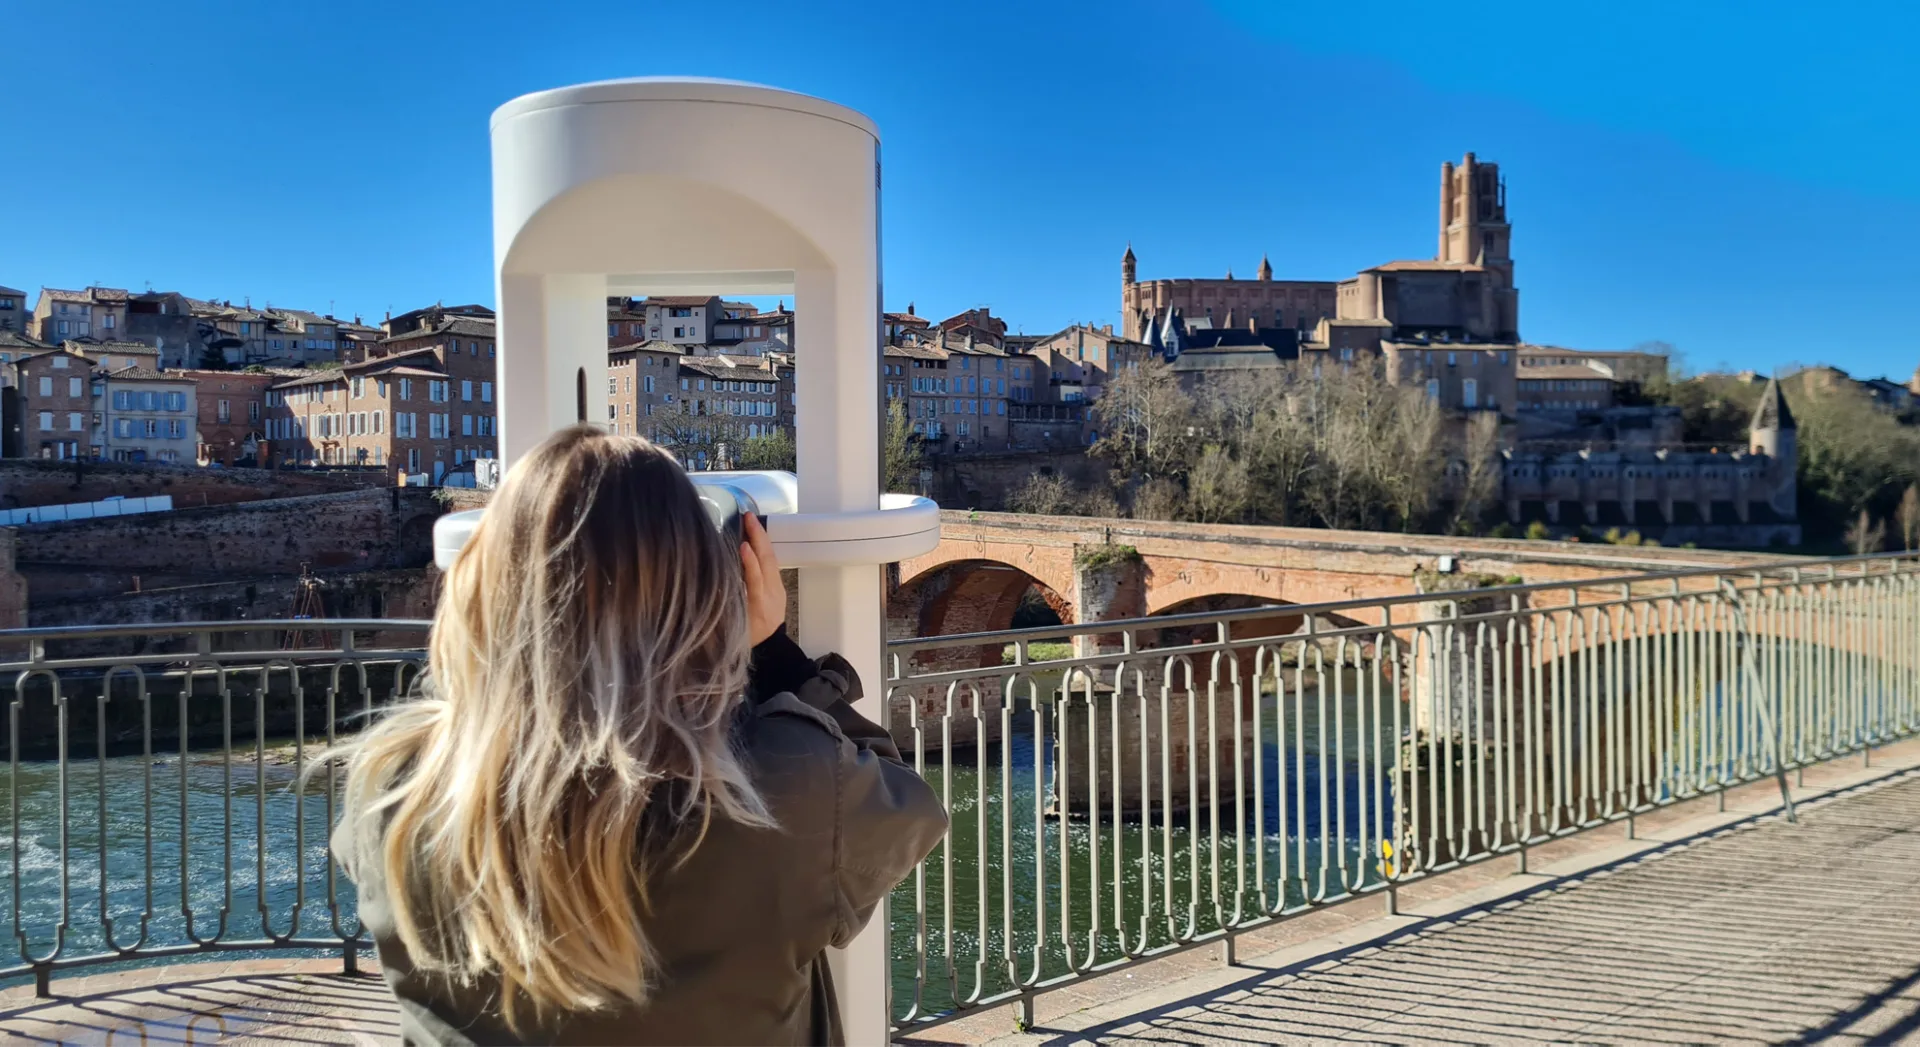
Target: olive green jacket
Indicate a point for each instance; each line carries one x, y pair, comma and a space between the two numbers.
741, 927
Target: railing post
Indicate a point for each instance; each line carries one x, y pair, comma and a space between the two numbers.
43, 980
350, 958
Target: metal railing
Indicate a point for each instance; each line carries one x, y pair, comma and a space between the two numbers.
153, 804
1117, 790
1128, 789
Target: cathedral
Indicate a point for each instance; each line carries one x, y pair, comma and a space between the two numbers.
1465, 293
1451, 324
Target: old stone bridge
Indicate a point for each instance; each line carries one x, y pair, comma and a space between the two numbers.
987, 563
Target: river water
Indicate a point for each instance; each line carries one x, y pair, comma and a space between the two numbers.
207, 847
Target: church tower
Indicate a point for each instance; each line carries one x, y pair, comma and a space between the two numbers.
1474, 231
1473, 215
1775, 434
1129, 306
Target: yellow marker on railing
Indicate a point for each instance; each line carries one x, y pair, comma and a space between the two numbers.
1386, 858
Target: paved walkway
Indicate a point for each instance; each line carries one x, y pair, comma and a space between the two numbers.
1737, 928
1761, 932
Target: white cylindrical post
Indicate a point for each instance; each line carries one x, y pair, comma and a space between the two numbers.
638, 187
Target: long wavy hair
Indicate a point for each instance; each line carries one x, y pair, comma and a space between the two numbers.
587, 658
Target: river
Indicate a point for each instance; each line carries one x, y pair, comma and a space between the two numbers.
191, 819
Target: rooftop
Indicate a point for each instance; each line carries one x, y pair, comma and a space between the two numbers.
466, 326
1417, 265
91, 294
124, 348
146, 374
1557, 371
11, 339
650, 345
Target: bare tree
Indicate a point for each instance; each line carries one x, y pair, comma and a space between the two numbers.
1218, 490
1866, 535
1480, 467
1158, 499
1411, 466
1044, 496
1147, 422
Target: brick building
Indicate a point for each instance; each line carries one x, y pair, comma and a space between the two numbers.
1563, 387
905, 328
642, 383
419, 404
978, 324
975, 409
1462, 376
1460, 304
53, 394
923, 374
722, 401
232, 412
1621, 366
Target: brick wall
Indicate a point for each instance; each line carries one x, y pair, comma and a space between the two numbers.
377, 529
35, 481
367, 594
13, 588
984, 481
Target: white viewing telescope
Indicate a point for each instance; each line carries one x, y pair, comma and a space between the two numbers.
681, 187
637, 187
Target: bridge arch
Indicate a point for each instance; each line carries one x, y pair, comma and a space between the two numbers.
968, 596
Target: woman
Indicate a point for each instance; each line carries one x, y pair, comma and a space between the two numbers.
625, 808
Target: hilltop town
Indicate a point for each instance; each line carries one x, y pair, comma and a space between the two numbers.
1539, 439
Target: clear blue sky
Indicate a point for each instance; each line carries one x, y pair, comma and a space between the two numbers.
1736, 177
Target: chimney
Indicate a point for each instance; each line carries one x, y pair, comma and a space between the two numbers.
909, 308
1106, 329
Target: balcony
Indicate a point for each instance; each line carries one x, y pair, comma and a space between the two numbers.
1122, 792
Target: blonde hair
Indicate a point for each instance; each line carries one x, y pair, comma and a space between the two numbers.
585, 664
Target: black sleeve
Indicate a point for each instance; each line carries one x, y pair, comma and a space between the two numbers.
779, 665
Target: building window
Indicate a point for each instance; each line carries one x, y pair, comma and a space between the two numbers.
1433, 388
466, 390
1470, 393
76, 422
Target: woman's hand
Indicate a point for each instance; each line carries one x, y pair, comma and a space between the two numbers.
766, 593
